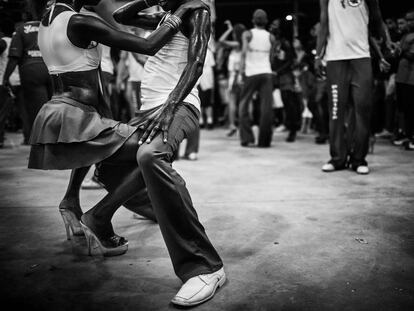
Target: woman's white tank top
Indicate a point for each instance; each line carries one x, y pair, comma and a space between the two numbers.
258, 53
59, 54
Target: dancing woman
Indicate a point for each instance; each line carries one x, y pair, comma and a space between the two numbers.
234, 63
71, 131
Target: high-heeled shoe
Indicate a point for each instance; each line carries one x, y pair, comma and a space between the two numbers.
71, 223
114, 245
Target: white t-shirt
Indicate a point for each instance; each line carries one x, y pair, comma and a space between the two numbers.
348, 30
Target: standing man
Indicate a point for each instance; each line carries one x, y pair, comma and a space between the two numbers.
35, 80
343, 40
255, 66
170, 112
405, 80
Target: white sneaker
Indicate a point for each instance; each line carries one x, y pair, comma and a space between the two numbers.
192, 156
328, 167
362, 170
280, 128
255, 130
199, 289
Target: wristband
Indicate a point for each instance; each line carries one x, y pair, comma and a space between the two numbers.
173, 21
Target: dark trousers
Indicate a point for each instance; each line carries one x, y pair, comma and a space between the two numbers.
193, 142
190, 249
6, 103
405, 99
263, 84
350, 104
36, 89
293, 110
391, 105
378, 107
321, 111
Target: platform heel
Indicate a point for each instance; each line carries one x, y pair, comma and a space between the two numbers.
112, 246
71, 223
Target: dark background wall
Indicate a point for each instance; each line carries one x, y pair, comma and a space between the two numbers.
241, 11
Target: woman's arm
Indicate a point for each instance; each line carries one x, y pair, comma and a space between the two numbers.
128, 14
377, 23
230, 44
83, 29
322, 37
246, 37
227, 43
223, 39
323, 32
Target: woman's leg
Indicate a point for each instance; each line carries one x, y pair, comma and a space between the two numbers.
70, 200
98, 218
232, 109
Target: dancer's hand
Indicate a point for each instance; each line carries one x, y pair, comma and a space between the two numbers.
160, 121
191, 6
319, 67
384, 65
228, 24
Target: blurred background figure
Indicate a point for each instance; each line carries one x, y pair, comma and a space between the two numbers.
234, 71
257, 45
283, 58
206, 88
405, 82
9, 91
35, 81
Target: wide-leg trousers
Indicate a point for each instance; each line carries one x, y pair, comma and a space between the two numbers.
350, 85
264, 85
166, 198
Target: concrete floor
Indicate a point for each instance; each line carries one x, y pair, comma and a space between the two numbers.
291, 237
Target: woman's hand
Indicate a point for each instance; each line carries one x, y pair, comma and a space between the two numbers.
228, 24
159, 121
319, 67
384, 65
191, 6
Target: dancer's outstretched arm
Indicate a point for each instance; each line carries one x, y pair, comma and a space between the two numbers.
83, 29
199, 33
129, 14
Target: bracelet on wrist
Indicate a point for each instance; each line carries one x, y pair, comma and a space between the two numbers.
173, 21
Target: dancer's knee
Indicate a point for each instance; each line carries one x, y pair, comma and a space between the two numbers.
145, 157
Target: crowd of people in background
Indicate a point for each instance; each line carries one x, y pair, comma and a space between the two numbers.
274, 88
